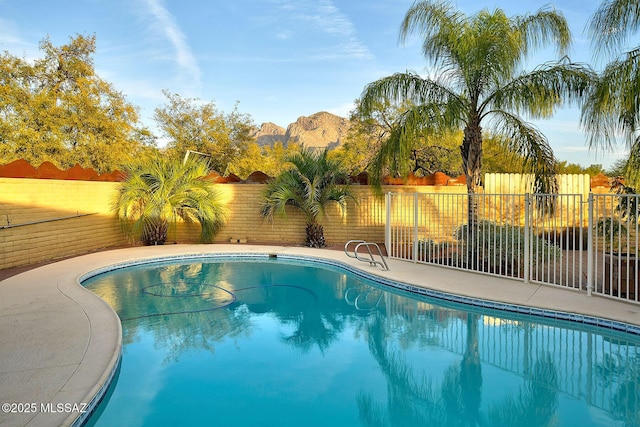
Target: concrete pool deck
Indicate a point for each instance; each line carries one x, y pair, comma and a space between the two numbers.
60, 343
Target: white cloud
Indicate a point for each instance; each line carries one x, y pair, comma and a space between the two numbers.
573, 149
342, 110
11, 41
324, 17
556, 124
284, 35
165, 23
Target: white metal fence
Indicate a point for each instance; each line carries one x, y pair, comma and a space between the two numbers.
587, 244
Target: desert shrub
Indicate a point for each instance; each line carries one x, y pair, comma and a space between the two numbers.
500, 248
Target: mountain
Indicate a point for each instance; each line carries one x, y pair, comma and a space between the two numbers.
318, 130
269, 133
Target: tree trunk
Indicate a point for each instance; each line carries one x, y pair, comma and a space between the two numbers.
315, 235
471, 374
155, 232
471, 151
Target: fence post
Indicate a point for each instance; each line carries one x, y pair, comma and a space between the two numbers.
387, 225
590, 245
415, 227
527, 240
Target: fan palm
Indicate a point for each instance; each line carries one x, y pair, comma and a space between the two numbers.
614, 105
480, 82
314, 182
158, 190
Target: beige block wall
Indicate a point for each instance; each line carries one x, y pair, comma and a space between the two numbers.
24, 201
362, 219
87, 225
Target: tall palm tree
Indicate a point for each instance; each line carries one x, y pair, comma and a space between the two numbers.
314, 182
480, 81
156, 191
614, 105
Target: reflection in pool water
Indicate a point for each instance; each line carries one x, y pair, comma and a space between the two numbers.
275, 343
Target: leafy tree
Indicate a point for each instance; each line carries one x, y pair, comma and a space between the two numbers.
437, 153
157, 190
569, 168
496, 156
367, 132
617, 168
594, 169
479, 60
574, 168
189, 124
57, 109
370, 129
613, 107
267, 159
310, 186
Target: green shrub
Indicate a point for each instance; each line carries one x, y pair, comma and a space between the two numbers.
500, 248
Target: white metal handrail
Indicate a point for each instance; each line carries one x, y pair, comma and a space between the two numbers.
368, 245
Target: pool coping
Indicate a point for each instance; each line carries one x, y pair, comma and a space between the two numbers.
46, 312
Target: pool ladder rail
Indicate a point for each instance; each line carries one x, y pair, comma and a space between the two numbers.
362, 299
368, 245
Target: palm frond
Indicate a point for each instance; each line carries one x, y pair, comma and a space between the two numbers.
526, 141
612, 24
549, 86
438, 23
394, 155
545, 27
612, 107
632, 167
406, 87
310, 185
158, 190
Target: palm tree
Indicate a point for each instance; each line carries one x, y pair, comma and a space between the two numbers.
310, 186
613, 107
480, 82
158, 190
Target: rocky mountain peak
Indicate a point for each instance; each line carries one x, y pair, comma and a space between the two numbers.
269, 133
318, 130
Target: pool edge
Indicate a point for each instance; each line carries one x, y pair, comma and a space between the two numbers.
529, 310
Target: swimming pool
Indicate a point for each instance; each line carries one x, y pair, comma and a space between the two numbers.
287, 342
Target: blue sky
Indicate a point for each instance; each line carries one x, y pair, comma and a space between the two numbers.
279, 59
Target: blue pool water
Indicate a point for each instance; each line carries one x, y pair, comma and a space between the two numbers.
288, 343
